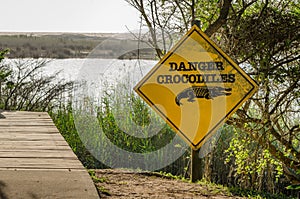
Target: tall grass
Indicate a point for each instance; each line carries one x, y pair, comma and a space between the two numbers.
216, 170
87, 125
64, 121
116, 113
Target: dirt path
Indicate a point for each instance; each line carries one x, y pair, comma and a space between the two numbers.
128, 184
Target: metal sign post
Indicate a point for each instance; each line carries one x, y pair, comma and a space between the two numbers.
196, 166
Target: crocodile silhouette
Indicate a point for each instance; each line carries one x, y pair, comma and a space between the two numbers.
202, 92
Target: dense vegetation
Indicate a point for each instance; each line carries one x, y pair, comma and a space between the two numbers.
68, 45
63, 117
263, 37
48, 46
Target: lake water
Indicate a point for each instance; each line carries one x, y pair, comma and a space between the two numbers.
110, 70
70, 69
95, 75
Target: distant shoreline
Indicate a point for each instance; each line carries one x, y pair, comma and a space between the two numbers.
64, 45
90, 34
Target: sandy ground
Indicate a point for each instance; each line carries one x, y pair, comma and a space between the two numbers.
128, 184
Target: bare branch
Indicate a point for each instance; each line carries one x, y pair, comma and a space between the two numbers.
221, 20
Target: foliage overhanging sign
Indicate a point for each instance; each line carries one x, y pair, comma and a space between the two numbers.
196, 87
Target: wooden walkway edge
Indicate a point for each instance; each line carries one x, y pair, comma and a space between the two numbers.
36, 161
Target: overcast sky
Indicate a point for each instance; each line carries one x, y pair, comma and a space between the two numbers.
67, 16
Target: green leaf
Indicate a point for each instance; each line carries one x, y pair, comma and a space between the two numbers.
294, 187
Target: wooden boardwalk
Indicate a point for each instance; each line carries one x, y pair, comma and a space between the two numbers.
36, 161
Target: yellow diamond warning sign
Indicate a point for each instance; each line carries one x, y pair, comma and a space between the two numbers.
196, 87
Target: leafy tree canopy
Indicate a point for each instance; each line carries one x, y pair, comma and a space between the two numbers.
263, 38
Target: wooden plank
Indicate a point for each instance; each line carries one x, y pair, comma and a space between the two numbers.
41, 163
18, 136
28, 116
22, 113
36, 154
24, 124
33, 147
30, 129
22, 116
26, 119
34, 143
